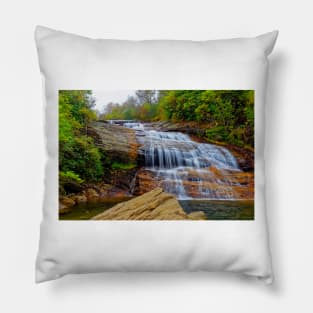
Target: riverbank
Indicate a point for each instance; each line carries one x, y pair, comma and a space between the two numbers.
120, 208
119, 150
153, 205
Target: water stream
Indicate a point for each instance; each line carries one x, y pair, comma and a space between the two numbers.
185, 168
203, 177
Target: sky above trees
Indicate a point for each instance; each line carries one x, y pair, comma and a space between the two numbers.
103, 97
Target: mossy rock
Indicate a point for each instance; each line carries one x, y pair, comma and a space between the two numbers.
67, 186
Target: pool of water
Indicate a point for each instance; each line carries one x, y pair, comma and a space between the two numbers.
221, 209
213, 209
86, 211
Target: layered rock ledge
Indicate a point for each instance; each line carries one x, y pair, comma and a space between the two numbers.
118, 142
244, 156
153, 205
241, 184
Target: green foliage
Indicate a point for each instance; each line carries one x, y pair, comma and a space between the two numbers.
229, 114
72, 176
123, 166
78, 156
217, 133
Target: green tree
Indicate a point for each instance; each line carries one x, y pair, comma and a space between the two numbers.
79, 158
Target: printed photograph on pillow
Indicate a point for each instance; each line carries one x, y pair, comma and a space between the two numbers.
156, 154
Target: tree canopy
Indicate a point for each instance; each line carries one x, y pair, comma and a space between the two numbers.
79, 158
228, 114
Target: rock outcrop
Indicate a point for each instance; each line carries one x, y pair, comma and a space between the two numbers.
153, 205
240, 184
119, 143
65, 204
91, 193
146, 180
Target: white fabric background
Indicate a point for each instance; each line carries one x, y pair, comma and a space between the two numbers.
288, 149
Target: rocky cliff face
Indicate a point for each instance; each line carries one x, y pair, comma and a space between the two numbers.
119, 143
240, 183
153, 205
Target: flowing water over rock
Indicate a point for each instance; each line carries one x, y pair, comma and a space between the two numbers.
203, 177
188, 169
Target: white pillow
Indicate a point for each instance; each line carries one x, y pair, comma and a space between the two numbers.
71, 62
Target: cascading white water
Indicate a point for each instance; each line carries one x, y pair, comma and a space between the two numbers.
186, 168
136, 126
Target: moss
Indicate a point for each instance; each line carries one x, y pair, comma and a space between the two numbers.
69, 182
72, 176
123, 166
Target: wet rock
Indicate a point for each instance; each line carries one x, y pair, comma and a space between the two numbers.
67, 201
65, 204
123, 179
153, 205
91, 194
79, 199
146, 181
200, 215
68, 186
63, 208
236, 184
221, 184
72, 187
119, 143
244, 156
121, 146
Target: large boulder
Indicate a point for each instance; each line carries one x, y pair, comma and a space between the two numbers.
146, 181
153, 205
68, 186
80, 198
120, 145
65, 204
91, 194
118, 142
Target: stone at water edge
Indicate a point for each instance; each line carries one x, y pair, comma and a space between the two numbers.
79, 198
65, 203
153, 205
91, 194
199, 215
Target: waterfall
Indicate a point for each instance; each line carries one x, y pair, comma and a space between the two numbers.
136, 126
187, 168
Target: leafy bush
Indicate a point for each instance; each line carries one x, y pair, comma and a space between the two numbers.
78, 155
72, 176
217, 133
229, 113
